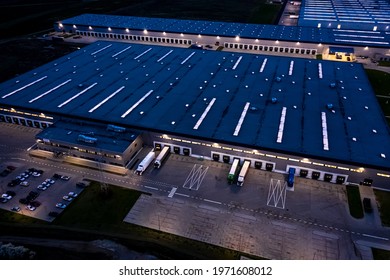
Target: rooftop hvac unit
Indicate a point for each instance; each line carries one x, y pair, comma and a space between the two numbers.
115, 128
86, 139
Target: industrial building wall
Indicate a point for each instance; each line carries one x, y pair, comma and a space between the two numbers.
270, 161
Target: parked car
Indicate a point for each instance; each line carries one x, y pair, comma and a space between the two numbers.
6, 196
61, 205
72, 194
24, 184
67, 198
15, 209
24, 201
65, 178
53, 214
42, 188
30, 207
3, 200
35, 203
81, 185
11, 193
10, 167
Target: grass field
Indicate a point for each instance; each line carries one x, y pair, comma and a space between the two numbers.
380, 254
383, 199
94, 210
380, 81
384, 63
354, 202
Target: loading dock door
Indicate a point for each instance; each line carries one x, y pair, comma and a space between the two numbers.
216, 157
303, 173
315, 175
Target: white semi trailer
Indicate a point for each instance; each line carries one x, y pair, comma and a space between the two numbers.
162, 157
244, 170
145, 162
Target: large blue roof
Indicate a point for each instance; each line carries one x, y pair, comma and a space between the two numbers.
217, 96
251, 31
349, 14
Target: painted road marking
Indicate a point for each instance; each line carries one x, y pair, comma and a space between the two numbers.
195, 178
212, 201
373, 236
172, 192
152, 188
181, 194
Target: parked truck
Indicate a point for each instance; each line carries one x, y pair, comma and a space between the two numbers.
244, 170
145, 162
233, 171
291, 175
162, 157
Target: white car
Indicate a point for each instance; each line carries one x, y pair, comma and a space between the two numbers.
64, 177
24, 183
6, 196
50, 181
72, 194
36, 174
42, 188
31, 208
61, 205
67, 198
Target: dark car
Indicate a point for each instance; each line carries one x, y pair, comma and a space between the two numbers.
53, 214
10, 167
5, 172
81, 185
367, 205
56, 176
11, 193
24, 201
35, 203
3, 200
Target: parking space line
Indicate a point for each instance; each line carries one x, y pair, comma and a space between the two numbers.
212, 201
152, 188
181, 194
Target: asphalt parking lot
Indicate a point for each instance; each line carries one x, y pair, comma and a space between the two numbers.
37, 196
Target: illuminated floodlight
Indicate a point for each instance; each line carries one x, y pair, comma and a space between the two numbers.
257, 40
199, 36
375, 28
164, 33
218, 37
74, 26
181, 34
60, 25
127, 30
237, 38
109, 29
277, 41
319, 25
90, 27
319, 44
145, 31
298, 43
338, 26
366, 48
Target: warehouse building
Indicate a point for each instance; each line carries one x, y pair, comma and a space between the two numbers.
306, 41
278, 112
370, 15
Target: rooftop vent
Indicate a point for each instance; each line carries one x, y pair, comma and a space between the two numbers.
115, 128
332, 85
329, 106
86, 139
274, 100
